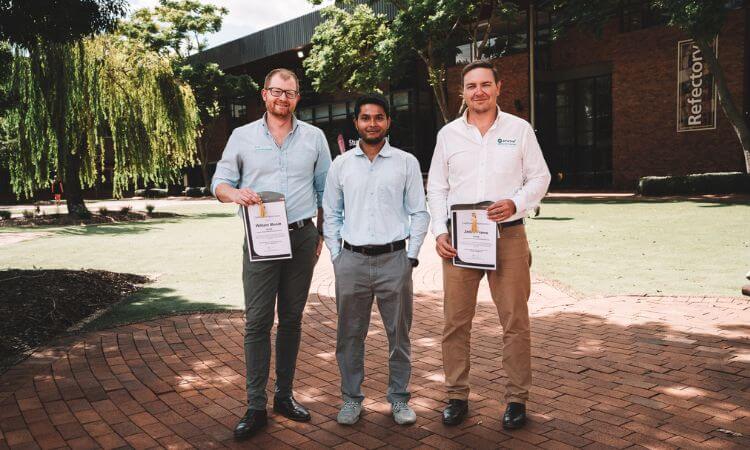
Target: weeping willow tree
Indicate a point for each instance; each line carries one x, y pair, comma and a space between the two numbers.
97, 100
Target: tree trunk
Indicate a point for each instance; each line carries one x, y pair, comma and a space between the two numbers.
437, 78
725, 99
72, 185
203, 157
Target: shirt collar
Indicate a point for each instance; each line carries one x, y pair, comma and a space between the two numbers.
465, 118
264, 122
385, 152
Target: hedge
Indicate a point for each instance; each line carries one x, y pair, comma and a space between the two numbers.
701, 183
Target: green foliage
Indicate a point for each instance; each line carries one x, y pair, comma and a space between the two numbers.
352, 50
355, 49
701, 19
125, 210
23, 22
4, 214
78, 99
174, 26
150, 209
212, 87
28, 214
103, 211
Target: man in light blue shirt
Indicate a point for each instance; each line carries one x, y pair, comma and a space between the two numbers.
374, 202
276, 153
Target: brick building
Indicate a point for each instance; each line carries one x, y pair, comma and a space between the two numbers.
606, 108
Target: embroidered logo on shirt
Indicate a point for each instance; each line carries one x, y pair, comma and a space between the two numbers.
506, 142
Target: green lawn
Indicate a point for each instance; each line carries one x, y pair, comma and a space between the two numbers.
616, 247
658, 248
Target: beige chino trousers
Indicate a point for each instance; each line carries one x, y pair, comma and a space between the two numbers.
510, 286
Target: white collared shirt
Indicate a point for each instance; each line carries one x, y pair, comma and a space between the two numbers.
505, 163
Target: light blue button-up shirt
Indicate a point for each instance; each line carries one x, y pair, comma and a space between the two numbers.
297, 169
375, 203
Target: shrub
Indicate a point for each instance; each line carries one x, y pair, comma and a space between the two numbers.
125, 210
103, 211
150, 209
4, 214
28, 214
701, 183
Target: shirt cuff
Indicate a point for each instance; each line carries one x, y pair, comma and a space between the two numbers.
520, 205
439, 227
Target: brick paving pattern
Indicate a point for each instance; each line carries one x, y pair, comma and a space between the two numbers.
622, 372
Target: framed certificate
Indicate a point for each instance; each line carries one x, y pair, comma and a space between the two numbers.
267, 229
474, 236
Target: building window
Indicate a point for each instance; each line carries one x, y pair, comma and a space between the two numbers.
400, 101
305, 114
322, 114
238, 109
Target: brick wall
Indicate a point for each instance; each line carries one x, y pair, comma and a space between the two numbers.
644, 99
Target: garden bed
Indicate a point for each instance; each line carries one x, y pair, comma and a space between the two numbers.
94, 219
39, 305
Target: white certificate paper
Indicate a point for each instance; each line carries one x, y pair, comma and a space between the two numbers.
474, 238
267, 232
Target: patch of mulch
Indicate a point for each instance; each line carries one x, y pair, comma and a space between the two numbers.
39, 305
95, 219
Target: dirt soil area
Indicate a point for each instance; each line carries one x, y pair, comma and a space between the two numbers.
39, 305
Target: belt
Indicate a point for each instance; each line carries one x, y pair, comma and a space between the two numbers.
373, 250
512, 223
299, 224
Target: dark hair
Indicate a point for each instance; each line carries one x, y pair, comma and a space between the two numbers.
372, 99
480, 64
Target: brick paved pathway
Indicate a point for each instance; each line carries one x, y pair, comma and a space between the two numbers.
615, 371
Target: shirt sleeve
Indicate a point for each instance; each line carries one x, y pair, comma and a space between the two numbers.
321, 168
414, 201
228, 169
333, 210
437, 188
535, 174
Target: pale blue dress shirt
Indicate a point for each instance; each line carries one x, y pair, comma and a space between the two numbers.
297, 169
375, 203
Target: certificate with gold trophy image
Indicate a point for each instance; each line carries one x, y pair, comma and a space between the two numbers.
474, 236
267, 229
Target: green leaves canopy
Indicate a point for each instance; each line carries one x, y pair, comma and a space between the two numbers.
99, 95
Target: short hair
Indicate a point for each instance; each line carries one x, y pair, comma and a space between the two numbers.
480, 64
285, 74
372, 99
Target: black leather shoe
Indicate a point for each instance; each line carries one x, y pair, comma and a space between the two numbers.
455, 412
289, 408
251, 422
515, 416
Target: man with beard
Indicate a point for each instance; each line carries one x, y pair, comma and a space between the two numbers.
374, 201
281, 154
487, 155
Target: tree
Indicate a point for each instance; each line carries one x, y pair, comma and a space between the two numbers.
78, 100
23, 22
701, 20
355, 49
176, 28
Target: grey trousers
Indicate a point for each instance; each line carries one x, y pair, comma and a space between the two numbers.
359, 278
263, 281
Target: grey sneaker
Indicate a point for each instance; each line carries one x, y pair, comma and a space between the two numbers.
349, 413
403, 414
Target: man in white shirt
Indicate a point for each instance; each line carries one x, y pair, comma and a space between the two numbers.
487, 155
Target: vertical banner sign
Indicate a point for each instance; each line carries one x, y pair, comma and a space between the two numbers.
696, 90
